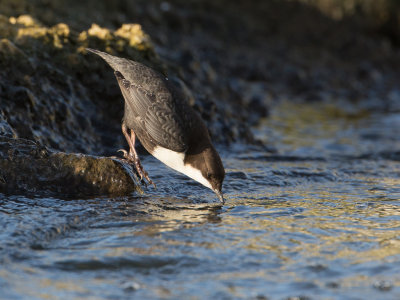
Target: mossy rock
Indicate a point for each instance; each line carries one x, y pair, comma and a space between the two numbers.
28, 168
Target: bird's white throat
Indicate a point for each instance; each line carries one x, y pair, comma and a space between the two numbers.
175, 160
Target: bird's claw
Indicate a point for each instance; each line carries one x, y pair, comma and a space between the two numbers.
146, 176
133, 159
124, 153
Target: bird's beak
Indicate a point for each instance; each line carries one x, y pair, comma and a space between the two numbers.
220, 196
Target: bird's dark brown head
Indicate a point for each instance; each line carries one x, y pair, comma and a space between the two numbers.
216, 184
211, 168
214, 172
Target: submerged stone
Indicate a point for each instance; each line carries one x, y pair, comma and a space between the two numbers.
28, 168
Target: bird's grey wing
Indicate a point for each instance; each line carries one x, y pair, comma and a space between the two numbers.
156, 112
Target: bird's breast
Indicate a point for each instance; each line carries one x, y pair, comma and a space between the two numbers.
176, 161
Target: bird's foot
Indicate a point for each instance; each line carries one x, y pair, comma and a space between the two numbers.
134, 159
126, 155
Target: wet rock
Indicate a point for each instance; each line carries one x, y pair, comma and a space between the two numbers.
5, 128
28, 168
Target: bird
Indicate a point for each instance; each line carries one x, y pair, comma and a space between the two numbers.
157, 113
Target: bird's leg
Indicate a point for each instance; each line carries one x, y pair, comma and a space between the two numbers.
138, 165
131, 144
132, 156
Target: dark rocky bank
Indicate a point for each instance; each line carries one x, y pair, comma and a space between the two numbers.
234, 61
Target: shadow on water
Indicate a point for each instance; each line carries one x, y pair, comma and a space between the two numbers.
319, 219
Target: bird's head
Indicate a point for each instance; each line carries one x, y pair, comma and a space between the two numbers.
215, 179
207, 168
213, 171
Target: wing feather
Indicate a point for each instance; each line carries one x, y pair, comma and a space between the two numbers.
156, 113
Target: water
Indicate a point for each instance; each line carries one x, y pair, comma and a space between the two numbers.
318, 219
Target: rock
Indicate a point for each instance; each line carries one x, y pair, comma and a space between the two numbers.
28, 168
5, 128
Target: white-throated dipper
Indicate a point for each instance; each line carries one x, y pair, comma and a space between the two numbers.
157, 113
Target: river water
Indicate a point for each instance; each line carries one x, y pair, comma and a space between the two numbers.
317, 219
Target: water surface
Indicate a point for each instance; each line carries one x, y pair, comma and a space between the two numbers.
317, 219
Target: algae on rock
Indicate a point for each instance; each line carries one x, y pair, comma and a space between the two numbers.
26, 167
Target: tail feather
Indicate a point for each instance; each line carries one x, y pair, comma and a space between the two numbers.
98, 52
111, 60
